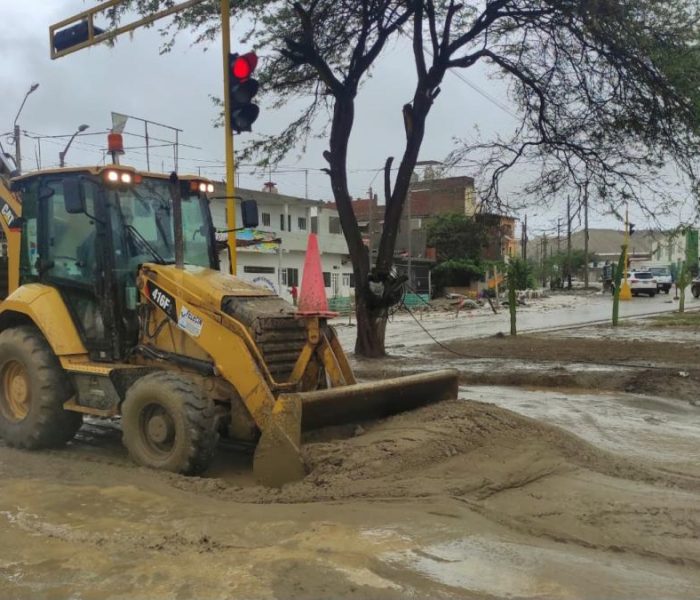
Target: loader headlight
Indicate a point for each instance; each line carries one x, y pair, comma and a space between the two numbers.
120, 177
202, 187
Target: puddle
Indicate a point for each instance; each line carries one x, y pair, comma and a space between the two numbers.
508, 569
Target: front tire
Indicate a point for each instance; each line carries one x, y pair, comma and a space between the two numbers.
33, 389
168, 423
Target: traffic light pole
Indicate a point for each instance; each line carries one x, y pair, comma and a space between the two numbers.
90, 37
625, 290
228, 132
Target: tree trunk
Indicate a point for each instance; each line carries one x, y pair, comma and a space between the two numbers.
371, 327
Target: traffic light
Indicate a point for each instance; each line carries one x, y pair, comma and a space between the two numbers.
74, 35
242, 89
631, 228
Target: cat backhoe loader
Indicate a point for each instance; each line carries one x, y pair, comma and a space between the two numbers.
115, 307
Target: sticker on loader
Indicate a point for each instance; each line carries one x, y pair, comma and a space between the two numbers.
189, 322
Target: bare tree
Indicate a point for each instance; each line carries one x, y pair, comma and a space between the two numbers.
589, 77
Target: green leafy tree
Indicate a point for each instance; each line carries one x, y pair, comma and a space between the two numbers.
582, 75
684, 278
557, 266
457, 272
513, 272
456, 236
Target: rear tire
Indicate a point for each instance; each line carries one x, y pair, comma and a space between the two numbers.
652, 294
33, 389
169, 424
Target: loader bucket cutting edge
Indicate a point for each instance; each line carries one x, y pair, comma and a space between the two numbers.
277, 458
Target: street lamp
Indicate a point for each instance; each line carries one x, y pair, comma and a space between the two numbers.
62, 154
18, 155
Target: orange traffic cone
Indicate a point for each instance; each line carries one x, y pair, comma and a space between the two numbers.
312, 298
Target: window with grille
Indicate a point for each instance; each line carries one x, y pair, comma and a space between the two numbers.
266, 219
334, 225
290, 276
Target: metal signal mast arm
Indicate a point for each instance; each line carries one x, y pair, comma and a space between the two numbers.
98, 37
91, 36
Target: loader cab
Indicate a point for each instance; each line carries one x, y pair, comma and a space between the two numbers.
86, 233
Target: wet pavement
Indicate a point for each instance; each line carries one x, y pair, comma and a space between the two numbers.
541, 314
663, 430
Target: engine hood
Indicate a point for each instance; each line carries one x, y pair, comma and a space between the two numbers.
202, 286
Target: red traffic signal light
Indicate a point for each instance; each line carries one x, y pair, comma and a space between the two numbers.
242, 89
243, 66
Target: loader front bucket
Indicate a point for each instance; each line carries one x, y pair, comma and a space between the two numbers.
278, 456
375, 399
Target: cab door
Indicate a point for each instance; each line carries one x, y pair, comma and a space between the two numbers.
72, 259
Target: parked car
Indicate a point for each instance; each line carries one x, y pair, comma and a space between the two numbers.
664, 279
641, 282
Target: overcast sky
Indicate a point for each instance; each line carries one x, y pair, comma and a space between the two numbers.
175, 88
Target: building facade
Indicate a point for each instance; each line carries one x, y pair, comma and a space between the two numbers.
273, 255
426, 199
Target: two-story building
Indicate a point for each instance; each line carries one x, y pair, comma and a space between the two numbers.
426, 199
273, 255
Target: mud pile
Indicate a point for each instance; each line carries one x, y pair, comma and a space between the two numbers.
452, 448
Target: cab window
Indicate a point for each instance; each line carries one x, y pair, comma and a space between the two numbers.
71, 238
29, 249
195, 233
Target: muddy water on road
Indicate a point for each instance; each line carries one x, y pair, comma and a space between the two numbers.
458, 500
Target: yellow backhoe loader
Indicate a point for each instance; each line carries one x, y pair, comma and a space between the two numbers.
115, 306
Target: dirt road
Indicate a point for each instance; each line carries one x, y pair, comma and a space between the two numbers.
507, 493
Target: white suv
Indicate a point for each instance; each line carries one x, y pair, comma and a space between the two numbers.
663, 277
641, 282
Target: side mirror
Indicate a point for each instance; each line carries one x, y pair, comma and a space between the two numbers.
249, 213
74, 196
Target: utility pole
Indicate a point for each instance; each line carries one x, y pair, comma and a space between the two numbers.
544, 260
625, 290
18, 151
148, 156
523, 241
585, 235
371, 225
568, 241
558, 235
228, 133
